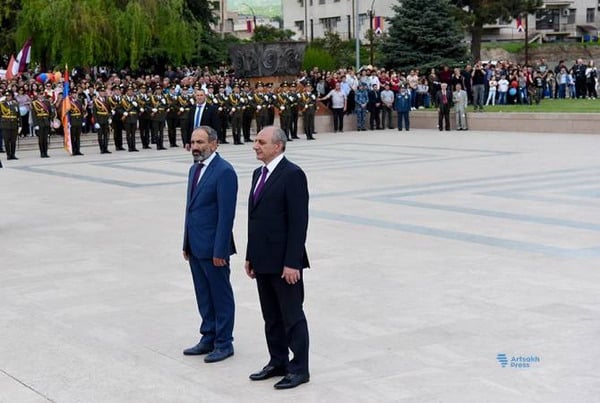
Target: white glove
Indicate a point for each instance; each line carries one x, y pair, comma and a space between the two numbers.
109, 121
97, 126
181, 109
125, 113
36, 128
154, 110
142, 110
113, 112
83, 124
163, 101
135, 103
282, 107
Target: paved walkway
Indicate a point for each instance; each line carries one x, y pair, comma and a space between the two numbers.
433, 254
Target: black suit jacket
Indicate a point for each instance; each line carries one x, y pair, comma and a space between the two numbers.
209, 118
438, 100
278, 221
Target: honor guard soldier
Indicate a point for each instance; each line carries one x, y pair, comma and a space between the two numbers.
101, 112
130, 117
76, 114
222, 114
284, 102
308, 106
9, 123
42, 111
117, 115
260, 101
158, 116
143, 100
172, 116
294, 101
272, 104
184, 104
248, 112
236, 103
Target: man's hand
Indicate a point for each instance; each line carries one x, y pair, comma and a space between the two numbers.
219, 262
249, 270
291, 276
186, 256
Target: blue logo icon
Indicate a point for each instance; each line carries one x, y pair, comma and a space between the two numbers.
502, 359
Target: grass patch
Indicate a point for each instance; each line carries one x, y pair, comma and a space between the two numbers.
552, 106
547, 106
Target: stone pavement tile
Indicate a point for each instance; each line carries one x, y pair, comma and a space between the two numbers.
431, 254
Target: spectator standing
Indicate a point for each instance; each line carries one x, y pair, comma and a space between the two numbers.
339, 102
387, 107
443, 100
502, 90
460, 99
24, 110
402, 104
478, 87
591, 76
361, 99
493, 84
374, 107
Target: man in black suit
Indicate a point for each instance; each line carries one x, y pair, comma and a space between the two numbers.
443, 100
276, 256
202, 114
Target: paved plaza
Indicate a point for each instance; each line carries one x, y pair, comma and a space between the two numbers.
446, 267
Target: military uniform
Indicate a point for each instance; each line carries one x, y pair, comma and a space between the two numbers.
158, 116
272, 102
9, 123
248, 113
294, 100
117, 115
236, 103
143, 100
284, 104
308, 105
76, 114
184, 104
222, 115
172, 117
261, 101
101, 112
41, 112
130, 118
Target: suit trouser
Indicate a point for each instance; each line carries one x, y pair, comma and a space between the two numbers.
184, 124
461, 118
76, 138
10, 141
158, 128
308, 121
216, 305
403, 117
145, 131
130, 128
294, 123
386, 118
285, 120
285, 323
43, 133
444, 117
338, 119
103, 137
172, 130
247, 123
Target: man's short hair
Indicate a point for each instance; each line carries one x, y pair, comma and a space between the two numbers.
279, 136
212, 133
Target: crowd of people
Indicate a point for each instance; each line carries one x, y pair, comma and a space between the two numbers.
145, 106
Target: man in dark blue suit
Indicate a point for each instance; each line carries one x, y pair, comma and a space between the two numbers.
201, 114
208, 243
276, 256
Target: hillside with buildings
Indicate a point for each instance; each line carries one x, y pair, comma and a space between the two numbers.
270, 8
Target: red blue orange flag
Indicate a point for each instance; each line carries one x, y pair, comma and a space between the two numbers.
65, 112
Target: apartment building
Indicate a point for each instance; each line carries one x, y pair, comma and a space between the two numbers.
556, 20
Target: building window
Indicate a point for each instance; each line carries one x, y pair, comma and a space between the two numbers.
547, 19
590, 13
310, 3
299, 26
329, 24
572, 14
301, 2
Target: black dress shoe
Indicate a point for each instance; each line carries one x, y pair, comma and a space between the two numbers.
224, 142
45, 156
147, 148
268, 372
161, 148
120, 149
78, 153
291, 381
107, 152
134, 150
198, 349
12, 158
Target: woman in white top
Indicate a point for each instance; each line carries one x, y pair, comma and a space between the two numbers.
492, 91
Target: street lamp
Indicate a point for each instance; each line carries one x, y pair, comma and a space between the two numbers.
356, 14
371, 33
253, 14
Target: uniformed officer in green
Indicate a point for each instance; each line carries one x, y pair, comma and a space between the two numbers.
101, 112
130, 117
77, 115
42, 110
308, 106
284, 104
9, 123
235, 104
116, 111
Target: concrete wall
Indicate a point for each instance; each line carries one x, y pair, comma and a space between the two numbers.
497, 121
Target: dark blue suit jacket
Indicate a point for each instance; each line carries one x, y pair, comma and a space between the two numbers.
209, 118
278, 221
210, 212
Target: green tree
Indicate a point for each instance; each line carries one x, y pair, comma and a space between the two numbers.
9, 9
118, 32
474, 14
267, 33
422, 34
